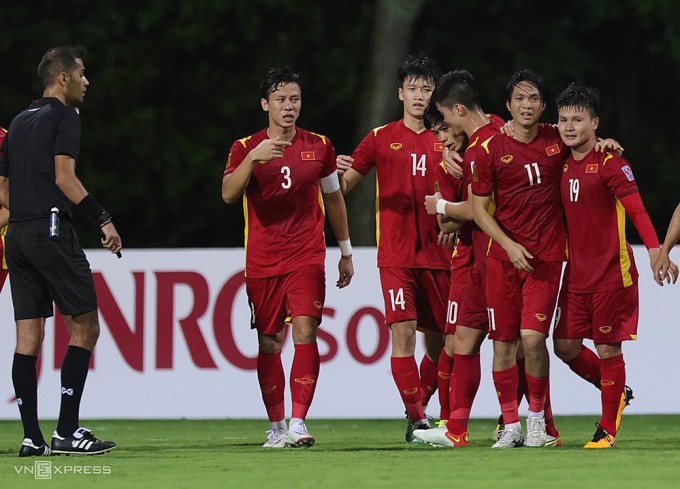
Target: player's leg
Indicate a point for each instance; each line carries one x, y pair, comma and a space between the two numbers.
434, 344
444, 378
30, 334
399, 294
504, 303
406, 376
539, 297
272, 381
306, 294
536, 372
83, 331
266, 298
573, 324
615, 318
32, 303
431, 306
72, 288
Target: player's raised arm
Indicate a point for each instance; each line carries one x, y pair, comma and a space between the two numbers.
234, 184
349, 177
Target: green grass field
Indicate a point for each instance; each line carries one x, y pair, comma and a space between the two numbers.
349, 454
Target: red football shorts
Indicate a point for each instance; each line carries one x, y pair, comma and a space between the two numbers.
298, 293
459, 280
415, 294
472, 313
520, 300
604, 317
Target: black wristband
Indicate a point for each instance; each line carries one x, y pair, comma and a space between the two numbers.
91, 208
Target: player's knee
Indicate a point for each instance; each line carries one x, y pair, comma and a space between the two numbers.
533, 342
566, 350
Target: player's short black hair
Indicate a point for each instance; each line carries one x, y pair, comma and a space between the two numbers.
59, 59
580, 96
432, 116
419, 66
276, 77
456, 87
528, 76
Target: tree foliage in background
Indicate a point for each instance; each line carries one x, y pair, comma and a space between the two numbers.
174, 83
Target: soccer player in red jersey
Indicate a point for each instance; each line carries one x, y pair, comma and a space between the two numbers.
525, 253
451, 188
456, 97
599, 297
414, 269
282, 172
663, 265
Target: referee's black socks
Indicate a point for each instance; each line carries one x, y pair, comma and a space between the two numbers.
25, 380
73, 375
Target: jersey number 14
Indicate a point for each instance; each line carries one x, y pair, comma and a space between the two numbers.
418, 164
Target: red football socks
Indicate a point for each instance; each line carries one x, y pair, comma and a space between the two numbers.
303, 376
272, 384
612, 386
537, 388
506, 388
405, 374
445, 384
428, 379
467, 370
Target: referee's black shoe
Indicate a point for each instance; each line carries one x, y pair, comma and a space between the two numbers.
29, 449
82, 442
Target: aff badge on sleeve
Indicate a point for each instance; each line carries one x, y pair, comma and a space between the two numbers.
628, 172
307, 155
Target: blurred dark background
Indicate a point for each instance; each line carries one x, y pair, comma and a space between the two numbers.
175, 82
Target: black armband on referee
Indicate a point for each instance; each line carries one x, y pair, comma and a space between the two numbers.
91, 208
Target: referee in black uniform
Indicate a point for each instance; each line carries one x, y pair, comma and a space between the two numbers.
39, 185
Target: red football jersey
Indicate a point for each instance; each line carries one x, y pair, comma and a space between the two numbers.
282, 204
525, 181
454, 189
405, 163
600, 259
474, 152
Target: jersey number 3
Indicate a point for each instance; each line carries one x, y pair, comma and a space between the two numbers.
287, 182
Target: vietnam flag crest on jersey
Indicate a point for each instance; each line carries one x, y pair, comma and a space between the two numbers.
552, 150
307, 155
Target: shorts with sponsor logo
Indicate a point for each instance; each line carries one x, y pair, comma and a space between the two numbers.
472, 313
415, 294
520, 300
459, 281
273, 299
43, 271
604, 317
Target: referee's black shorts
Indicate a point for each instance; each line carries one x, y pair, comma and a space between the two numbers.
42, 270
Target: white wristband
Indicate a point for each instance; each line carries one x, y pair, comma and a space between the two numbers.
345, 247
441, 206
